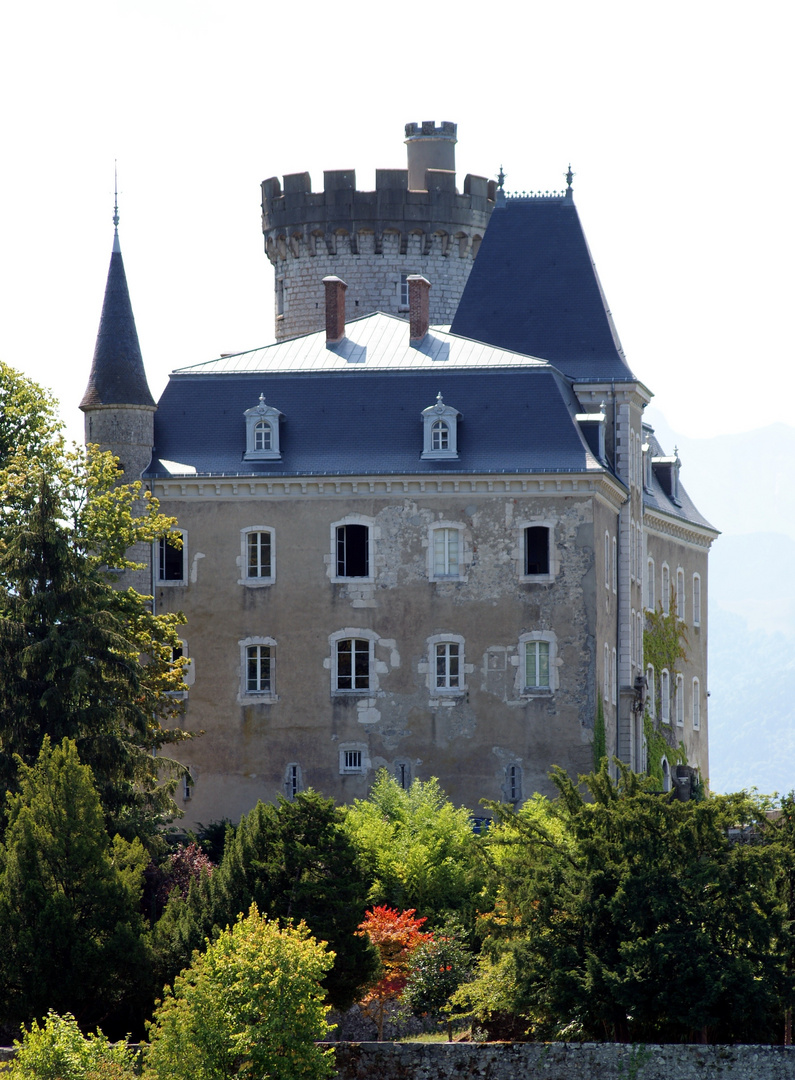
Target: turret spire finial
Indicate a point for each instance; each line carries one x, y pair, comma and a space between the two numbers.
569, 178
116, 246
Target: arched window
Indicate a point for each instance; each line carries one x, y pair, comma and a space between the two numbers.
607, 559
538, 662
263, 435
651, 700
257, 670
680, 593
440, 430
696, 600
665, 696
262, 432
650, 600
680, 701
665, 589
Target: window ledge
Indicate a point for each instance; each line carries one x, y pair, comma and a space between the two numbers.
257, 699
256, 583
537, 692
164, 584
537, 579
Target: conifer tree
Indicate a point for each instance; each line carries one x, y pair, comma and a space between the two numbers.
79, 657
71, 931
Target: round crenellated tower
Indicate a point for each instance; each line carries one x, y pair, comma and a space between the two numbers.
415, 222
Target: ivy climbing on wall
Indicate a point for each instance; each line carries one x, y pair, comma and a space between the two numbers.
599, 735
665, 648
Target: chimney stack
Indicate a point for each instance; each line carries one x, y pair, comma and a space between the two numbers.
419, 308
335, 309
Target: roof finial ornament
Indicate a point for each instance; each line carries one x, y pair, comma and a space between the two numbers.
569, 178
501, 187
116, 246
439, 406
262, 406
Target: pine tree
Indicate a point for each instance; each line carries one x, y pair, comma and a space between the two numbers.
70, 924
78, 657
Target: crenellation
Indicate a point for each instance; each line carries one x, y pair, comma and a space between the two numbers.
372, 238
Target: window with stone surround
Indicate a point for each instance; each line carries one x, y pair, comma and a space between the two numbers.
446, 552
172, 559
258, 556
538, 662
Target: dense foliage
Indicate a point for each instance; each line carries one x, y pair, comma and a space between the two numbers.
80, 658
295, 861
419, 849
72, 936
632, 916
58, 1050
250, 1006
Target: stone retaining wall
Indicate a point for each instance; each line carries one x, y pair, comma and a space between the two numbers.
560, 1061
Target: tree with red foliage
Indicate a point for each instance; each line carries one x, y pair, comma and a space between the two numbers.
396, 935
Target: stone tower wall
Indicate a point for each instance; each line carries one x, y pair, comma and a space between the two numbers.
371, 239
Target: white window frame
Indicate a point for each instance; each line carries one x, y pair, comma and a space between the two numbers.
632, 645
260, 696
696, 599
614, 677
293, 780
551, 551
369, 524
432, 416
681, 610
696, 705
538, 637
159, 563
262, 414
188, 671
512, 788
446, 642
351, 633
615, 565
447, 528
353, 759
665, 696
651, 699
606, 683
665, 588
632, 549
607, 560
403, 292
650, 583
679, 701
260, 580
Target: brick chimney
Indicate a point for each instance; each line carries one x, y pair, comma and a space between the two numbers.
335, 309
419, 311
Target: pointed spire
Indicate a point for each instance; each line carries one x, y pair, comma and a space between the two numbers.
117, 372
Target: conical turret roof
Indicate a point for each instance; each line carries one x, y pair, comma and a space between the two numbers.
117, 372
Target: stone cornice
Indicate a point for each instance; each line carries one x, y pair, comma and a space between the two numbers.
669, 527
243, 487
632, 391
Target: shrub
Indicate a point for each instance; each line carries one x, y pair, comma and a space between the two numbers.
250, 1006
58, 1050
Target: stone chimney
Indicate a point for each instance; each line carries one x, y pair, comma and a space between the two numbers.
419, 308
335, 309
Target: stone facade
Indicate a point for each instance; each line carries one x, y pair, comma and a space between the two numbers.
375, 239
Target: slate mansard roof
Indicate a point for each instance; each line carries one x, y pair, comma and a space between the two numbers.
355, 408
534, 289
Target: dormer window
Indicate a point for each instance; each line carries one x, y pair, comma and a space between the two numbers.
262, 432
440, 431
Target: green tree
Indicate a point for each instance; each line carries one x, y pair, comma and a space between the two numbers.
80, 658
438, 967
418, 848
295, 861
28, 416
58, 1050
72, 934
637, 917
250, 1006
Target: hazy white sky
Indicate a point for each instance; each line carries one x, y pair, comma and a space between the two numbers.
675, 117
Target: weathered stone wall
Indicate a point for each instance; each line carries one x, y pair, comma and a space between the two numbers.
560, 1061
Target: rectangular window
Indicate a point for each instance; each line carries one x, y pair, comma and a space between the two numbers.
680, 594
404, 291
513, 783
353, 556
258, 669
353, 664
171, 560
446, 553
665, 697
696, 705
447, 665
537, 664
536, 550
650, 586
403, 774
650, 696
351, 761
665, 599
258, 555
696, 600
293, 782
